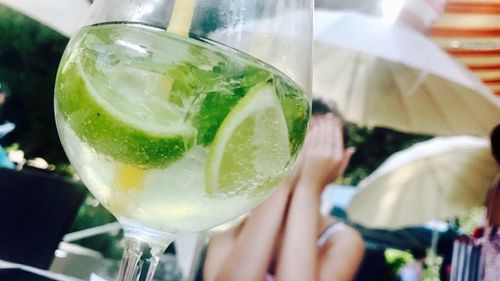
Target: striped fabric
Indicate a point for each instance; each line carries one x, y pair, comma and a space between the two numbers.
470, 31
420, 14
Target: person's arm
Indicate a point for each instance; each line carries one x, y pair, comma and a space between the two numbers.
298, 257
246, 254
324, 159
342, 255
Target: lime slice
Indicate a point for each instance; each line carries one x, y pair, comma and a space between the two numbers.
122, 111
251, 149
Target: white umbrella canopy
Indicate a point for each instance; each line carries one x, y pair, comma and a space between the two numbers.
383, 74
63, 16
435, 179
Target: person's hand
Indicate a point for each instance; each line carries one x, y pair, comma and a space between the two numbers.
323, 158
293, 177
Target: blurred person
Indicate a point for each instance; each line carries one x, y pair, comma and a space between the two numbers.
491, 246
413, 271
5, 128
286, 238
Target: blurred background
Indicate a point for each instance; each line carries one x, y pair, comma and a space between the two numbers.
29, 57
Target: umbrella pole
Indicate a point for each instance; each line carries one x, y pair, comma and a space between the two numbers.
433, 262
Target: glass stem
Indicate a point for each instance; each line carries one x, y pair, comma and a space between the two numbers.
140, 260
201, 244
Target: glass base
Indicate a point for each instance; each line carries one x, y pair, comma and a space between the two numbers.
148, 235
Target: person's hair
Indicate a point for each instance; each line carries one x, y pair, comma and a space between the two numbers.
495, 143
322, 107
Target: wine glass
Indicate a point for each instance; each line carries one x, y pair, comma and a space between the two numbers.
182, 115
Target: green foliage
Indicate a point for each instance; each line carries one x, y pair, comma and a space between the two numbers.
374, 146
29, 56
66, 170
433, 264
395, 260
12, 146
92, 214
471, 219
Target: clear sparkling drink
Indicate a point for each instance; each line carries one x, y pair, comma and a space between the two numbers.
175, 134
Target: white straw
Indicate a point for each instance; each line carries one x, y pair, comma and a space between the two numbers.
182, 16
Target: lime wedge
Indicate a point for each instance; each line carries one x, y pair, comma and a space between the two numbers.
251, 148
122, 112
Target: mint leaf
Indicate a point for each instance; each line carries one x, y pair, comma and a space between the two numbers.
295, 107
209, 88
214, 109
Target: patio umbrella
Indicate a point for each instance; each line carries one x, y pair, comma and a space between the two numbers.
392, 76
63, 16
435, 179
470, 31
